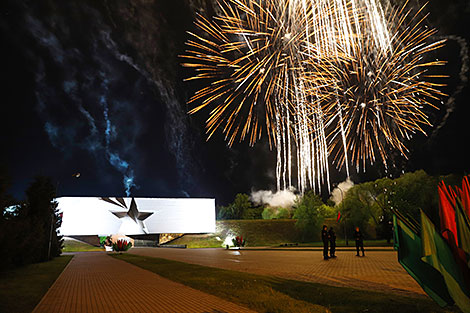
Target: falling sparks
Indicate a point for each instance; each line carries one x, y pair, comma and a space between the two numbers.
320, 78
381, 93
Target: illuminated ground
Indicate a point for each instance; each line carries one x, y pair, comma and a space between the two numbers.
379, 270
95, 282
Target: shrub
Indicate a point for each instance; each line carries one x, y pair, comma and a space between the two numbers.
253, 213
239, 241
121, 245
270, 213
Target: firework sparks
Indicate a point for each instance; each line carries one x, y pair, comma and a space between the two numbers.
250, 55
382, 94
247, 55
319, 77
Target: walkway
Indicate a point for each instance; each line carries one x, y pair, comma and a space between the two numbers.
96, 282
378, 270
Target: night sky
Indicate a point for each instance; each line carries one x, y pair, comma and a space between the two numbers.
96, 87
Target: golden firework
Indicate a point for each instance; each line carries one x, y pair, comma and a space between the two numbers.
382, 94
320, 77
247, 55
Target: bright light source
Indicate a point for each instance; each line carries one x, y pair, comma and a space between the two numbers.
93, 216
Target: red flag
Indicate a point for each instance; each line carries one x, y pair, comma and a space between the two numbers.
447, 213
465, 195
447, 204
338, 218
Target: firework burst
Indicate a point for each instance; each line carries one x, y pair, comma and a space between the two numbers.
383, 94
246, 54
319, 77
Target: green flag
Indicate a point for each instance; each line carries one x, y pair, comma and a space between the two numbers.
408, 244
437, 253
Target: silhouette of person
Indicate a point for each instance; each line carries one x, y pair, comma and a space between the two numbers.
332, 238
359, 241
324, 238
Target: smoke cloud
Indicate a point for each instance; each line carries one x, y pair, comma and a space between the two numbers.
339, 192
93, 92
282, 198
463, 76
176, 129
114, 159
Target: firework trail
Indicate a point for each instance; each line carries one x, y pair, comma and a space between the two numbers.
320, 77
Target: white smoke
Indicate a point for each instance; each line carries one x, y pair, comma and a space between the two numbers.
463, 75
282, 198
339, 192
102, 137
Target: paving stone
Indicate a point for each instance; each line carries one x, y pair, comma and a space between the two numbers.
378, 270
95, 282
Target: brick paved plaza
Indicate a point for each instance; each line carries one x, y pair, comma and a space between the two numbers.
378, 270
96, 282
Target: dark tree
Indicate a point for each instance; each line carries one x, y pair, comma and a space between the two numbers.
29, 229
41, 212
310, 213
236, 210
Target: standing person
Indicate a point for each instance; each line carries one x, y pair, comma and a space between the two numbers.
359, 241
332, 237
324, 238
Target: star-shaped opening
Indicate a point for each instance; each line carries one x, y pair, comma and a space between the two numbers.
133, 212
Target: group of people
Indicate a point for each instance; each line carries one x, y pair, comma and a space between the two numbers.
329, 237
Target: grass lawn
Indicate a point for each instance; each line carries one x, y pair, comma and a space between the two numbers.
79, 246
199, 241
271, 294
270, 233
256, 232
22, 288
210, 241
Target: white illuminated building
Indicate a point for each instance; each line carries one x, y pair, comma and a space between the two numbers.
84, 216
